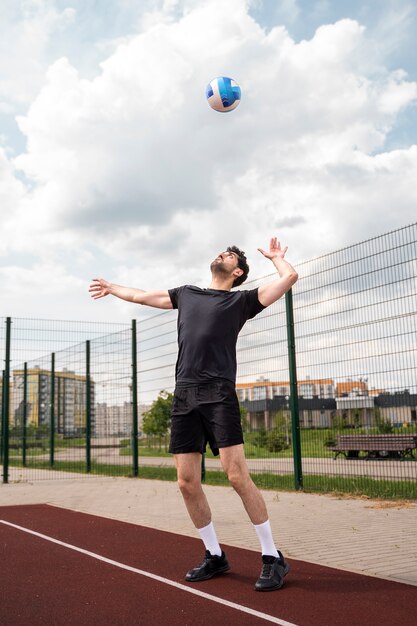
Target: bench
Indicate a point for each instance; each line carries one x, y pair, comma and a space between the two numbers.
375, 446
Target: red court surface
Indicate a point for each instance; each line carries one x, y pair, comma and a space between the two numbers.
48, 583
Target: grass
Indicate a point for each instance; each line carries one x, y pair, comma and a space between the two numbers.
312, 445
334, 485
77, 467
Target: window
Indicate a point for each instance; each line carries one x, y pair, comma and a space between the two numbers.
259, 393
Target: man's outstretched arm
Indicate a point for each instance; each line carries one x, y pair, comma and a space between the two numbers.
159, 299
273, 291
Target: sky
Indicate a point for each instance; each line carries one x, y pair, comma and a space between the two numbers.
113, 165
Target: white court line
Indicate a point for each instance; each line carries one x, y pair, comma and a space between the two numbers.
166, 581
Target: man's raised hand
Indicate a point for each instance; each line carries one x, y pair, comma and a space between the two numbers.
274, 249
99, 288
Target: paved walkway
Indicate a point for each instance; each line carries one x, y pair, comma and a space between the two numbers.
372, 537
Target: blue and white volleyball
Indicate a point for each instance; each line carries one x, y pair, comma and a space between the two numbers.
223, 94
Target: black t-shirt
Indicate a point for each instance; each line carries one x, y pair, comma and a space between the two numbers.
209, 321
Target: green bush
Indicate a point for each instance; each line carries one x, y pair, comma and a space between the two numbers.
277, 441
260, 438
339, 422
384, 426
329, 440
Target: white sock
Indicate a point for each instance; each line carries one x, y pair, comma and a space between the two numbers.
264, 533
208, 535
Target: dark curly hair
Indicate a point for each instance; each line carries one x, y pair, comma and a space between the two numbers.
241, 263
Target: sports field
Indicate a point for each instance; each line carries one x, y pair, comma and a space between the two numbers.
66, 567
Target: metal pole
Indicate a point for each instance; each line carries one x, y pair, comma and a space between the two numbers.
203, 468
52, 414
88, 407
25, 413
135, 446
6, 400
2, 414
295, 420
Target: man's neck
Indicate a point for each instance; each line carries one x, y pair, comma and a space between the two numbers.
223, 285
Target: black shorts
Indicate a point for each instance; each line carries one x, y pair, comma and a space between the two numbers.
205, 413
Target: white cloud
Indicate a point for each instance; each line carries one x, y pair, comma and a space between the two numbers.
25, 31
11, 194
397, 94
133, 161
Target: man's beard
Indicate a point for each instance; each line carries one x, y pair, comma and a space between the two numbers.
218, 269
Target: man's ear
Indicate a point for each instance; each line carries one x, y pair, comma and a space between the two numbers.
237, 272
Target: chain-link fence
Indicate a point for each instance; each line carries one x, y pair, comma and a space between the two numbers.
356, 351
356, 331
69, 397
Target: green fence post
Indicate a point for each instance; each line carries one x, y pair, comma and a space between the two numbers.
135, 446
5, 403
52, 414
203, 467
295, 420
2, 414
25, 413
87, 407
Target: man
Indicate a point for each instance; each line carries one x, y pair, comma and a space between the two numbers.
205, 408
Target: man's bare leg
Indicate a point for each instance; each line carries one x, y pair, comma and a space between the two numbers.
189, 481
234, 464
274, 566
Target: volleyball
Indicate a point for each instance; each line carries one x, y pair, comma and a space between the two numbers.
223, 94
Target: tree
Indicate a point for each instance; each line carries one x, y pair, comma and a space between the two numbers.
282, 423
357, 418
338, 421
157, 420
244, 419
383, 425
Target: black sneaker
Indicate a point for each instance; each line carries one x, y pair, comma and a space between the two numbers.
211, 566
273, 571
